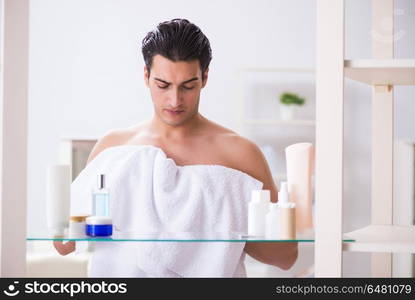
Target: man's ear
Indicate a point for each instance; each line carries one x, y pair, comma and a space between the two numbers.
205, 77
146, 76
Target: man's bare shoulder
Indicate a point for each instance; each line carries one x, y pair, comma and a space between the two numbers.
229, 141
244, 155
239, 147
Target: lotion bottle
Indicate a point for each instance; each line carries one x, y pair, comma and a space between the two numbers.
300, 167
286, 216
257, 210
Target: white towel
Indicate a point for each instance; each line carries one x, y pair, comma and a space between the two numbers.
149, 193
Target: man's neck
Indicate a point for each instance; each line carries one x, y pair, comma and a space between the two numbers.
188, 129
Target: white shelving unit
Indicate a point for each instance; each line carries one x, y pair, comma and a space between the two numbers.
381, 72
382, 237
13, 136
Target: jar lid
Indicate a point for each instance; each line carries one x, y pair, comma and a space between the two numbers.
98, 220
80, 218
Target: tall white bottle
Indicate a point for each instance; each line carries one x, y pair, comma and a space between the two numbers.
58, 189
272, 222
300, 167
257, 210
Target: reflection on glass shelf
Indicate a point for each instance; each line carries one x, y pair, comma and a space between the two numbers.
174, 237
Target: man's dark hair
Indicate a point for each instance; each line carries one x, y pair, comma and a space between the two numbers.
177, 40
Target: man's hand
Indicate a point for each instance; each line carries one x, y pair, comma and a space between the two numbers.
64, 249
280, 254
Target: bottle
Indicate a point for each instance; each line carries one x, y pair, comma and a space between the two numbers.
286, 216
101, 199
58, 193
257, 210
272, 230
300, 168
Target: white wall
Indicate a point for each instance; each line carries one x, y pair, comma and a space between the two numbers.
86, 77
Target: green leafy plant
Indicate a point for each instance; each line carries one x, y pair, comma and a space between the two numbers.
290, 98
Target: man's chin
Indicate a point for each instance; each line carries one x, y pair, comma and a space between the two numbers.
174, 122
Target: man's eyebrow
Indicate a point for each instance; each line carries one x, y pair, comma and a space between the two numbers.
184, 82
164, 81
190, 80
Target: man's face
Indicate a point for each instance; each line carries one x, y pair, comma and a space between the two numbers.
175, 89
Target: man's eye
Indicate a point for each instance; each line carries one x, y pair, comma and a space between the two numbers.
163, 86
188, 88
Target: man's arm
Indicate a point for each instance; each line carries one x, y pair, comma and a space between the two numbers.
282, 255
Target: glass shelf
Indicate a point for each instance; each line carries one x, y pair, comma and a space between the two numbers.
173, 237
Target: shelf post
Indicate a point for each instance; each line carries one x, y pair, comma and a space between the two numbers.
13, 138
329, 137
382, 132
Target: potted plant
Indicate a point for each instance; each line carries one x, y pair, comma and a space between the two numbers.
288, 103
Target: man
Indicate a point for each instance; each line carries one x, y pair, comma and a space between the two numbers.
177, 56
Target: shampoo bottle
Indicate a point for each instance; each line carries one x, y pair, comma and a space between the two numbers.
258, 208
286, 216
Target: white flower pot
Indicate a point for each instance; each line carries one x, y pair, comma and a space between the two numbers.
287, 112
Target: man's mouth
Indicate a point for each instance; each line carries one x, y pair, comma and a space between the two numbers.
174, 112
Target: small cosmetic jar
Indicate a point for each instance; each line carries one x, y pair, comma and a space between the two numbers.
98, 226
77, 226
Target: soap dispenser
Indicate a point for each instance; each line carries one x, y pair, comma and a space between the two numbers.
286, 216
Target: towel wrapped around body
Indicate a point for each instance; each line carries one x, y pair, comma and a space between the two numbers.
150, 194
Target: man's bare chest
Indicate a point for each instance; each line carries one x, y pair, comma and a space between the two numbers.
191, 153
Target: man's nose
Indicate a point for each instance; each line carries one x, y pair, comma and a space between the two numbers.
174, 98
